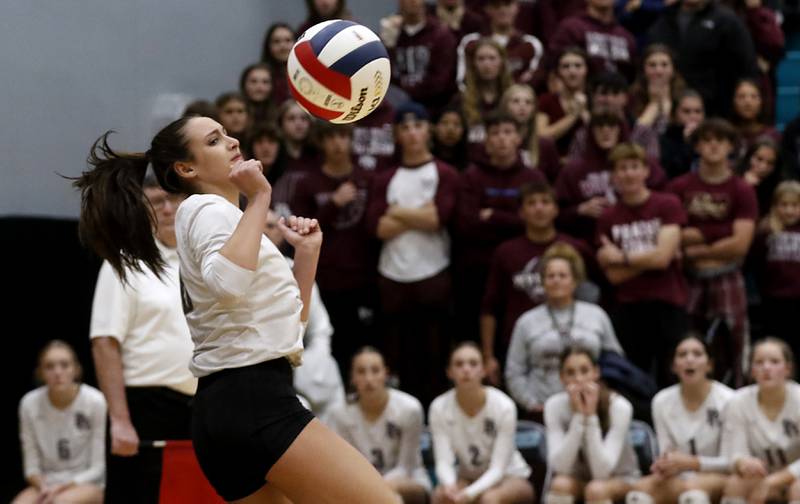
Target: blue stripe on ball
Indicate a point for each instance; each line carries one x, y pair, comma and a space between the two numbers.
322, 37
353, 61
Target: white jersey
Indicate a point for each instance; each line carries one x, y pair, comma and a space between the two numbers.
237, 317
747, 432
146, 318
392, 442
696, 432
577, 446
64, 445
480, 449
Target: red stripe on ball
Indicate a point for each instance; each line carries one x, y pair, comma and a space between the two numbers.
314, 109
336, 82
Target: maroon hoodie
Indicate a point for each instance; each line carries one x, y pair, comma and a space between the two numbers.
776, 258
424, 64
373, 139
485, 186
589, 176
471, 21
610, 47
548, 14
348, 257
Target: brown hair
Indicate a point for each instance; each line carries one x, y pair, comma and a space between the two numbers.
566, 252
604, 394
531, 188
116, 220
53, 344
473, 87
533, 135
714, 128
786, 350
639, 91
626, 151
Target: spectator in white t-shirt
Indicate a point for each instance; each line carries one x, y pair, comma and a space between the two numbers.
409, 210
141, 348
62, 429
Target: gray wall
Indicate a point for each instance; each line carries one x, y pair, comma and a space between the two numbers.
72, 69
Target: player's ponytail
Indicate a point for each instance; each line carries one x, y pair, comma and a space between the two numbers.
116, 219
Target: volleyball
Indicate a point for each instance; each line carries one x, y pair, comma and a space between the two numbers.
338, 71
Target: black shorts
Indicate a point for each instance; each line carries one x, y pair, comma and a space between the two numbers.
243, 420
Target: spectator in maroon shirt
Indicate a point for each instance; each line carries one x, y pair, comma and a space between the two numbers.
584, 186
524, 51
422, 52
677, 153
486, 80
760, 168
278, 43
323, 10
548, 15
373, 138
639, 239
450, 137
611, 48
722, 210
775, 258
749, 116
563, 112
302, 157
488, 214
410, 209
336, 196
537, 152
457, 16
255, 84
514, 285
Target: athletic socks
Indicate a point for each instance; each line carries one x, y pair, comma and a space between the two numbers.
637, 497
694, 497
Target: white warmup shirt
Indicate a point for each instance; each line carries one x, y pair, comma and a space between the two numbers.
414, 255
318, 379
64, 445
392, 442
533, 360
693, 432
483, 446
576, 444
237, 317
147, 319
747, 432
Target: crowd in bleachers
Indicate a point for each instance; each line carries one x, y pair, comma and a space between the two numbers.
553, 195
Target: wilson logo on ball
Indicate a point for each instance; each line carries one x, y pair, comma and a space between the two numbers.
338, 71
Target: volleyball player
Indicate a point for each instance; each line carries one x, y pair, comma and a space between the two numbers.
474, 425
688, 418
385, 425
245, 308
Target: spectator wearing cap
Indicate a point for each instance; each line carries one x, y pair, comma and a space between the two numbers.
422, 53
410, 207
722, 209
524, 51
698, 30
639, 245
336, 195
584, 187
488, 214
610, 47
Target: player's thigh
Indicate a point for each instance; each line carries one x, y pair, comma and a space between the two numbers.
267, 494
28, 496
509, 491
321, 468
